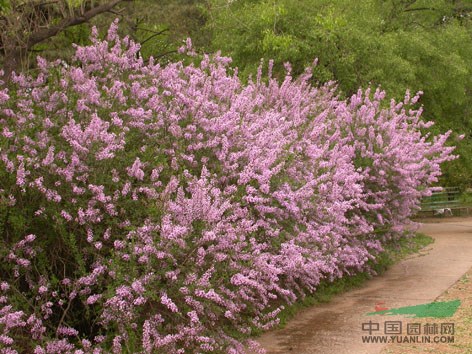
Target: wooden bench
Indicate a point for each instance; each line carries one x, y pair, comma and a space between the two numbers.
443, 203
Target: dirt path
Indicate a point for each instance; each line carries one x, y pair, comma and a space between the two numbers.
336, 327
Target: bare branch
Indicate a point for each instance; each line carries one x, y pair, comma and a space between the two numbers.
43, 34
153, 35
151, 31
164, 54
421, 9
117, 13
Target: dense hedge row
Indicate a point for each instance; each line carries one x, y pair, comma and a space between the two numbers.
165, 209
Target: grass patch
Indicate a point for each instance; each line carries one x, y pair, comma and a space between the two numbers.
394, 252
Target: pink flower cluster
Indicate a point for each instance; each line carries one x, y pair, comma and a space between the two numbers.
164, 208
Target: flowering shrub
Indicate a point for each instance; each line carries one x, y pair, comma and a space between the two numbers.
166, 209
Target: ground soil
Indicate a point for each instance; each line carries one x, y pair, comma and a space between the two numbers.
441, 271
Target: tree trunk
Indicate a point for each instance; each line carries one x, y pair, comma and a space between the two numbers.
11, 63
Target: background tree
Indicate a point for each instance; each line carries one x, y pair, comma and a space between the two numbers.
398, 44
25, 23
